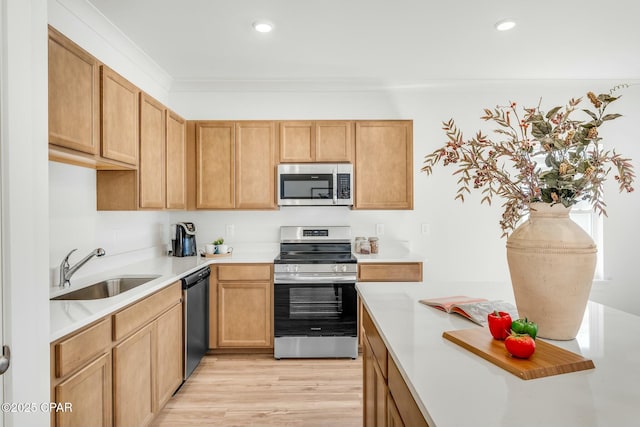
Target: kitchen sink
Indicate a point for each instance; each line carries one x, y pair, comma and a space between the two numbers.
106, 288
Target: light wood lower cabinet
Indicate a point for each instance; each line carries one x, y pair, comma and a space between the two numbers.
169, 363
133, 379
390, 272
375, 389
387, 399
89, 392
122, 369
242, 309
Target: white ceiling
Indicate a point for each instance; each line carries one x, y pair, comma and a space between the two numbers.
382, 43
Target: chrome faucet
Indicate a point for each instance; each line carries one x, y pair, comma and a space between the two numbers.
66, 272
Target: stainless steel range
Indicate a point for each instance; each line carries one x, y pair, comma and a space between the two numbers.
315, 303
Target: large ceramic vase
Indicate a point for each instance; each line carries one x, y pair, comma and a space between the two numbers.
552, 261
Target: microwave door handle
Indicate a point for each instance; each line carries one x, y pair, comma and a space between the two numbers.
335, 187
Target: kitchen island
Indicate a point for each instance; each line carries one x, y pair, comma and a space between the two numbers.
453, 387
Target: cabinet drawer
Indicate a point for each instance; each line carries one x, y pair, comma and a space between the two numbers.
139, 314
375, 341
405, 403
390, 272
75, 351
244, 272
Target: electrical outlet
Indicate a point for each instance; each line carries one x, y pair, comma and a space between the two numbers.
426, 229
230, 230
379, 229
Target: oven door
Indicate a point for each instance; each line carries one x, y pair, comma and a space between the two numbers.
315, 310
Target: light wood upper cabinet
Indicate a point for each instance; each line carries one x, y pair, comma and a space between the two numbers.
297, 142
235, 165
176, 162
74, 96
316, 141
334, 141
119, 117
215, 165
255, 149
151, 169
384, 165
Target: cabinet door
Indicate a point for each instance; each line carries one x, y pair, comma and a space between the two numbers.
390, 272
169, 354
384, 165
255, 165
176, 160
393, 416
333, 141
297, 142
74, 96
119, 118
89, 393
133, 363
152, 153
375, 389
244, 314
215, 165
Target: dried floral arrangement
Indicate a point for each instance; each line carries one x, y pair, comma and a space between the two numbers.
574, 161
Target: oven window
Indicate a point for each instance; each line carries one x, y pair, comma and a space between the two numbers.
306, 186
315, 310
314, 303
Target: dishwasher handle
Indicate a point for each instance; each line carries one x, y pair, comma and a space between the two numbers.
195, 278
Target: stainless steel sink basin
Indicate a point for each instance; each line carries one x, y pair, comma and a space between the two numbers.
106, 288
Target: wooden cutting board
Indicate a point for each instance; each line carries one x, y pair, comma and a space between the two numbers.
547, 360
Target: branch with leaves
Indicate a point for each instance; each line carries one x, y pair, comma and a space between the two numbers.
574, 163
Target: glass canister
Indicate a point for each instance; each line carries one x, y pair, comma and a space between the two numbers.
365, 247
358, 244
374, 245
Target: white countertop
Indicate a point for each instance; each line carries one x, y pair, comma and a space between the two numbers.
454, 387
392, 251
68, 316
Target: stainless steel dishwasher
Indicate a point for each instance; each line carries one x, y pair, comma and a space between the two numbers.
195, 290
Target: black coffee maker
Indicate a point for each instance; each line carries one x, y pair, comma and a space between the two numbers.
184, 243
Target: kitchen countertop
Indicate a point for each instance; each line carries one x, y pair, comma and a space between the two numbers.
69, 316
392, 251
454, 387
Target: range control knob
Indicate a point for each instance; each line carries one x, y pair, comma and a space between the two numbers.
344, 269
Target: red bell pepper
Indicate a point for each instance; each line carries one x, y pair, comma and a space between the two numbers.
499, 324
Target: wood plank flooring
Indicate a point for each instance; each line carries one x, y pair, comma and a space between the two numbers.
256, 390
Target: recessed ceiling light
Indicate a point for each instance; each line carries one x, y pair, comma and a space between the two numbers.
505, 25
263, 26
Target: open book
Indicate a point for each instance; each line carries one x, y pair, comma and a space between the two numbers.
474, 309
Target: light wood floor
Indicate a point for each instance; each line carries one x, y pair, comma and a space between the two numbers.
256, 390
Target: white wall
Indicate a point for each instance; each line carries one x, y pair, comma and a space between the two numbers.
25, 305
464, 241
75, 223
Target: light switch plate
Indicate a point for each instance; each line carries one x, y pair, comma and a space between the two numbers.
230, 230
379, 229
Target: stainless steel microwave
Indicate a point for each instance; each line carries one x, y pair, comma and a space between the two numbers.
315, 184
